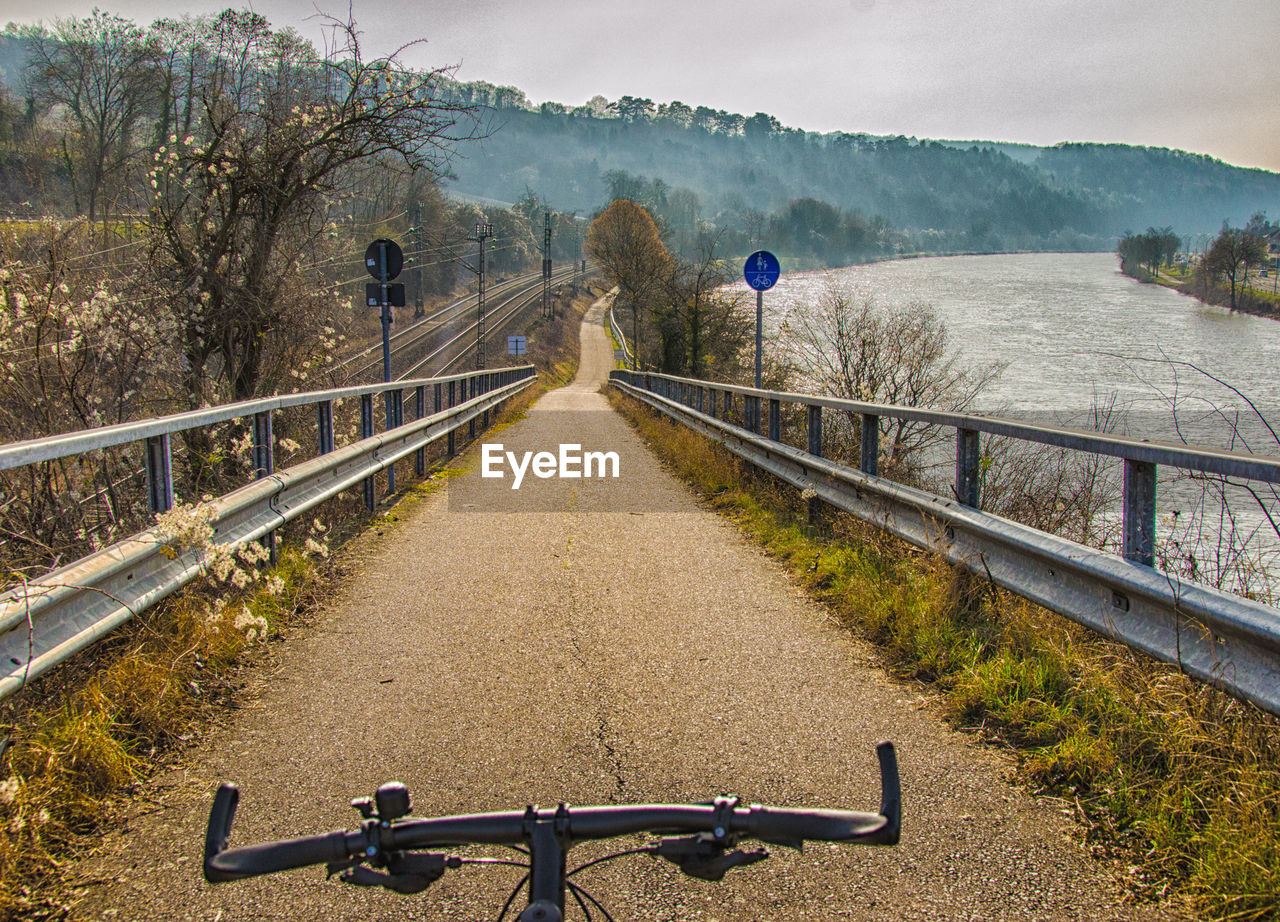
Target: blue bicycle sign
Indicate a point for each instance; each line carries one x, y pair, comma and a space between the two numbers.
761, 270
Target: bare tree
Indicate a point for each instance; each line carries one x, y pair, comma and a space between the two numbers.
98, 71
703, 323
241, 203
854, 349
1231, 255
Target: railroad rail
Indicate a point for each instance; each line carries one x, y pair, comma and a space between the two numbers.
408, 345
1226, 640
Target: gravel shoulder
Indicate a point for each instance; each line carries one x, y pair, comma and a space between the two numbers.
592, 641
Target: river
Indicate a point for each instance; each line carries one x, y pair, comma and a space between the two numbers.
1069, 326
1073, 331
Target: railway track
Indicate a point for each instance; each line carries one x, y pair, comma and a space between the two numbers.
441, 340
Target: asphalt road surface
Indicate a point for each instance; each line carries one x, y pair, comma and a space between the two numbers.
595, 640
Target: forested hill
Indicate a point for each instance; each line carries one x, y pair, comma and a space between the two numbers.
738, 171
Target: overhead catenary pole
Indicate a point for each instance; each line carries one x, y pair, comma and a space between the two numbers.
483, 233
418, 307
546, 264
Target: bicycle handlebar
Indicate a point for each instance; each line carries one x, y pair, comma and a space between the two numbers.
379, 837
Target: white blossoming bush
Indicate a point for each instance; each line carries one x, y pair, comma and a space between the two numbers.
253, 626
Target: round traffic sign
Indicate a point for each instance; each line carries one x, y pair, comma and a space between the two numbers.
761, 270
394, 256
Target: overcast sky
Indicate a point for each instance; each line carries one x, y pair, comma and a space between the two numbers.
1201, 75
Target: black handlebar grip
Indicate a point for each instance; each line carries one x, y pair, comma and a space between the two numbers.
793, 827
222, 864
254, 860
783, 826
221, 815
890, 792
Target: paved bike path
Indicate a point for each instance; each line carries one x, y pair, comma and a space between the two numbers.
594, 641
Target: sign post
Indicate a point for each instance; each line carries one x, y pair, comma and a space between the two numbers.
384, 259
761, 272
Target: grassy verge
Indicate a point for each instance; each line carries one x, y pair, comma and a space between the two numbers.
1178, 781
82, 738
555, 346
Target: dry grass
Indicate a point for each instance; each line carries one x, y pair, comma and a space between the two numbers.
83, 737
1177, 780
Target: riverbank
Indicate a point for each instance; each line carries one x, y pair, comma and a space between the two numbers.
1249, 300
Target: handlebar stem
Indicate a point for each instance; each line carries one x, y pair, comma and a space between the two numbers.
548, 841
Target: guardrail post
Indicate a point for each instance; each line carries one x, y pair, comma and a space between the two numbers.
366, 431
452, 447
472, 385
419, 411
775, 420
968, 462
715, 397
869, 463
324, 427
813, 510
264, 458
395, 417
727, 410
815, 431
702, 396
159, 465
264, 464
484, 389
1139, 541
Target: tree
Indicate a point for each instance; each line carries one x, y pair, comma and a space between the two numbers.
701, 324
1151, 250
761, 125
1231, 254
243, 201
624, 240
676, 112
857, 350
633, 109
99, 72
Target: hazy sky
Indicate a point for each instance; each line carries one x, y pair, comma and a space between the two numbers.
1202, 75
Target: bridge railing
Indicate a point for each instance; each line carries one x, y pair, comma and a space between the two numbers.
619, 335
49, 618
1229, 641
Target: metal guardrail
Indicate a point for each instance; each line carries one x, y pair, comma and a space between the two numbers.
1223, 639
622, 338
48, 619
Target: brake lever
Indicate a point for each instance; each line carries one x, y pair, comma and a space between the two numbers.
704, 857
410, 872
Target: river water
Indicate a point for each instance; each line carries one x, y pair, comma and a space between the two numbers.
1072, 332
1069, 326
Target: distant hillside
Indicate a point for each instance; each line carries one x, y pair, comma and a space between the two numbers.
957, 195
